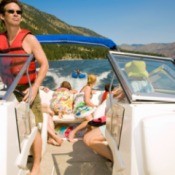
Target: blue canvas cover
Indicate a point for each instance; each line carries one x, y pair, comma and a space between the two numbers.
76, 39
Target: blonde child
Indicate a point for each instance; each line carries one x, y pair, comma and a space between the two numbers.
83, 107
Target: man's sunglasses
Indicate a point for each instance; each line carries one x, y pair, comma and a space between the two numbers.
19, 12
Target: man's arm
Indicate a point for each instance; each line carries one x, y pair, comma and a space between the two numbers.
32, 46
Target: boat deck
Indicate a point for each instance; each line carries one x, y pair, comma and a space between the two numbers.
73, 159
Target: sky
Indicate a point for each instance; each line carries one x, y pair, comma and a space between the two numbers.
123, 21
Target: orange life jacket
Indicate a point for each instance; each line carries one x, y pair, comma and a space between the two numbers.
12, 66
104, 96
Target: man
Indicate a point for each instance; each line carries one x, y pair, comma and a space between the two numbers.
19, 41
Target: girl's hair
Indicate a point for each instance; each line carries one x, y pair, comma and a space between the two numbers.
66, 84
107, 87
91, 79
3, 3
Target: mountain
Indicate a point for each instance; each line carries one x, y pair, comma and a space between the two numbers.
164, 49
42, 23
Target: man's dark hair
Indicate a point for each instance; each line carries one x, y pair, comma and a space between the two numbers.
3, 3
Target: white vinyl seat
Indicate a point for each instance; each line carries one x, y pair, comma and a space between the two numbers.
67, 118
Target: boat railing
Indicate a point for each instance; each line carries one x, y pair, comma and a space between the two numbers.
5, 68
8, 83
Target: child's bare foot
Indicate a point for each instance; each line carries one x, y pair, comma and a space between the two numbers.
72, 137
59, 141
54, 142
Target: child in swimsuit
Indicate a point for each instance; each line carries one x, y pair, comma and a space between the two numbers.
83, 107
62, 99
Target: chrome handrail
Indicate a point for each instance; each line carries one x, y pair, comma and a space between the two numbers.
17, 78
13, 85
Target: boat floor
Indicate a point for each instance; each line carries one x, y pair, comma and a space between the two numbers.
74, 159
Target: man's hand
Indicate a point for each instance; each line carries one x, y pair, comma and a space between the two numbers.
30, 94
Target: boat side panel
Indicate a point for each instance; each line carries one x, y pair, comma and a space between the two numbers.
9, 147
137, 140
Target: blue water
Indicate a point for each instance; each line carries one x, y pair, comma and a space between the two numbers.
61, 70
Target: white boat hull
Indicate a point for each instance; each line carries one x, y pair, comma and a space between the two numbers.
146, 144
15, 148
10, 148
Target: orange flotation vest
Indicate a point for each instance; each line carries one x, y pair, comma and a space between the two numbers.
12, 66
104, 96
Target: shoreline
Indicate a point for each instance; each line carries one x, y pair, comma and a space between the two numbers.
77, 59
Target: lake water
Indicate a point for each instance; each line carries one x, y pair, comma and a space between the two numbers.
62, 70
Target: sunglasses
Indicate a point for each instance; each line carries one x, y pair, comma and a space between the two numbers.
10, 11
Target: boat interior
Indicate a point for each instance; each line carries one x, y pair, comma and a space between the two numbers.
139, 128
18, 131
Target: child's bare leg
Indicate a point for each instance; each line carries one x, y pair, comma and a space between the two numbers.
60, 115
78, 128
53, 138
56, 138
52, 142
46, 108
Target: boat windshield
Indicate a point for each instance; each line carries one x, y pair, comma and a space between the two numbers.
12, 67
145, 78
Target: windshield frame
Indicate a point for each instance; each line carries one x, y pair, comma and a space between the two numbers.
115, 56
